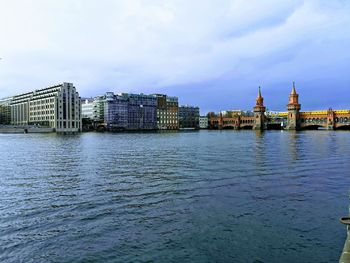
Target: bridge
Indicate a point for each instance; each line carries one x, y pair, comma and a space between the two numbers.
327, 119
292, 119
236, 122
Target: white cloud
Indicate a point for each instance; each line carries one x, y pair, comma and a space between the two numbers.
133, 44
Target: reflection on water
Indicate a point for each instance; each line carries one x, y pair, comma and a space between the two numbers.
208, 196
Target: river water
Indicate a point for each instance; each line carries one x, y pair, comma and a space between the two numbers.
207, 196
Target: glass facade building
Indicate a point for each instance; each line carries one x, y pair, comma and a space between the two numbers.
142, 111
87, 108
98, 109
188, 117
130, 111
116, 112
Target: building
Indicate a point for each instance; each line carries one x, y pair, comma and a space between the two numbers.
57, 107
172, 113
93, 108
87, 108
161, 112
116, 112
142, 111
130, 111
272, 113
167, 112
98, 109
20, 109
203, 122
5, 111
233, 113
188, 117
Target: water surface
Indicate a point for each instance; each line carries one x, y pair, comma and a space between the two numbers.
208, 196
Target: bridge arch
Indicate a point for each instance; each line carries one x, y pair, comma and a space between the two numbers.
228, 127
247, 127
343, 127
312, 126
274, 126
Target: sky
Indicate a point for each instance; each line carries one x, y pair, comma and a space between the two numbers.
212, 54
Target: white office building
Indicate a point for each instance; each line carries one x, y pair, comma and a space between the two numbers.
57, 107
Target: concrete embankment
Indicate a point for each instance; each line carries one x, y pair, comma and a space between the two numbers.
26, 130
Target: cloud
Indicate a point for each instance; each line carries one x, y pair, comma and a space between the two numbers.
222, 47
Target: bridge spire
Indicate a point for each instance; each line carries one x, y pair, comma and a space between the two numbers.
294, 92
259, 113
293, 107
259, 99
293, 97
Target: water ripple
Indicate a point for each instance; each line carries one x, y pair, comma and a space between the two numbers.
209, 196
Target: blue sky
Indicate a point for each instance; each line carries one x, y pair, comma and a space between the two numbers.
213, 54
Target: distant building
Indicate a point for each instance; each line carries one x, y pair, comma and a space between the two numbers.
272, 113
203, 122
5, 111
188, 117
167, 112
98, 109
142, 111
57, 107
232, 113
172, 113
130, 111
116, 112
247, 113
87, 108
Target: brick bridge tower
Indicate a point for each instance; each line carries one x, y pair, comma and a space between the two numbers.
259, 113
330, 119
293, 107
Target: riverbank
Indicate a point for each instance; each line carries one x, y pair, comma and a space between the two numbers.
14, 130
